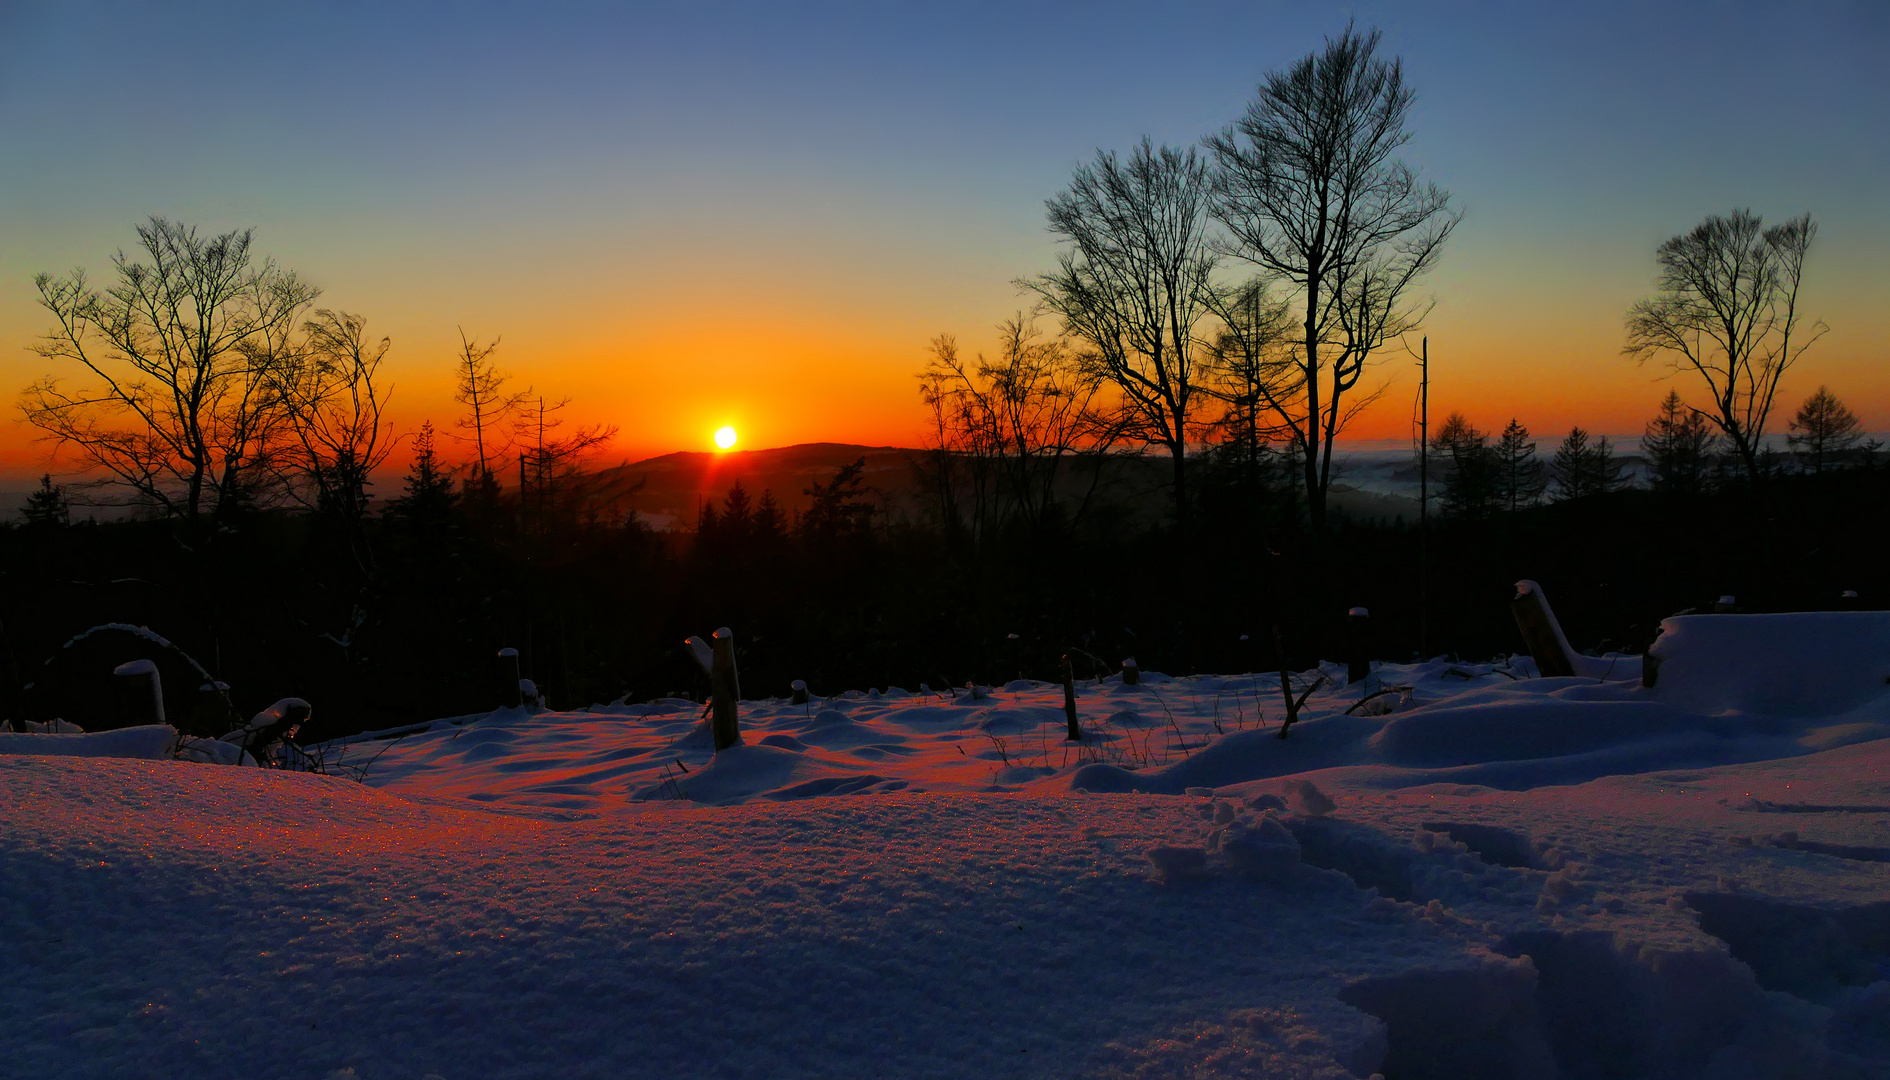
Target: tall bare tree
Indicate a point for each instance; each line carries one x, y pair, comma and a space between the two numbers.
1132, 286
1309, 192
1728, 311
181, 408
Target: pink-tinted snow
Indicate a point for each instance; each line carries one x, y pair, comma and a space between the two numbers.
1478, 872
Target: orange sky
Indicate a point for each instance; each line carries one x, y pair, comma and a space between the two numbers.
772, 247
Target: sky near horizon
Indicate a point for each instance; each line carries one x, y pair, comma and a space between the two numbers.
690, 215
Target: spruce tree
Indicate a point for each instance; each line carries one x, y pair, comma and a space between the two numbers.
1824, 432
47, 507
1471, 477
430, 491
1679, 446
1521, 478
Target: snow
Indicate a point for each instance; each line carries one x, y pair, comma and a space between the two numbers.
151, 742
1498, 875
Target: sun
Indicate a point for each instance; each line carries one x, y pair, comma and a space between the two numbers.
725, 438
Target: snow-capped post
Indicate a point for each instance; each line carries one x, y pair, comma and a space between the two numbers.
800, 691
1130, 673
1726, 605
1847, 600
1358, 659
509, 695
140, 691
1069, 700
726, 687
1540, 632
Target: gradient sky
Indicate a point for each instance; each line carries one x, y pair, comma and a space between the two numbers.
684, 215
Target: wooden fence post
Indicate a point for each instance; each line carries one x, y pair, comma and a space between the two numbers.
1358, 657
1131, 674
509, 695
140, 691
726, 688
1540, 632
1069, 700
800, 691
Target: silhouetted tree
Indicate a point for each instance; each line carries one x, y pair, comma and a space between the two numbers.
1824, 432
338, 439
184, 414
480, 386
47, 507
1521, 479
1680, 448
1581, 468
841, 506
1727, 310
1309, 191
1250, 366
429, 497
771, 526
1132, 285
1006, 425
1471, 477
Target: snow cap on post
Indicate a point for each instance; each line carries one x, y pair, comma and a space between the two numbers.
1725, 605
699, 649
799, 686
1131, 674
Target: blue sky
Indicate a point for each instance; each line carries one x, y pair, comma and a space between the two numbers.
683, 214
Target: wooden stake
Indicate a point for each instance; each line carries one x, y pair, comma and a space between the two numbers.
1131, 674
141, 691
726, 687
1069, 700
1541, 633
1358, 660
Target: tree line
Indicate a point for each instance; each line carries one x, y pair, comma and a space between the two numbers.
1213, 315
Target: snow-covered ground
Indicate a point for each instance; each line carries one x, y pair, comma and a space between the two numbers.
1491, 875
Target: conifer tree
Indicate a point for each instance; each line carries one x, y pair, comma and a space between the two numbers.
1521, 479
1824, 432
1581, 468
47, 507
1470, 481
1679, 446
430, 495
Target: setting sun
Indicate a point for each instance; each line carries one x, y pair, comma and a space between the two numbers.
725, 438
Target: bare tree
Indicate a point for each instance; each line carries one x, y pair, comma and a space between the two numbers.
182, 410
1133, 286
1727, 310
480, 386
549, 466
1011, 421
334, 407
1309, 192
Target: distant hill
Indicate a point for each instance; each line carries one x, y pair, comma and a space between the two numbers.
674, 486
